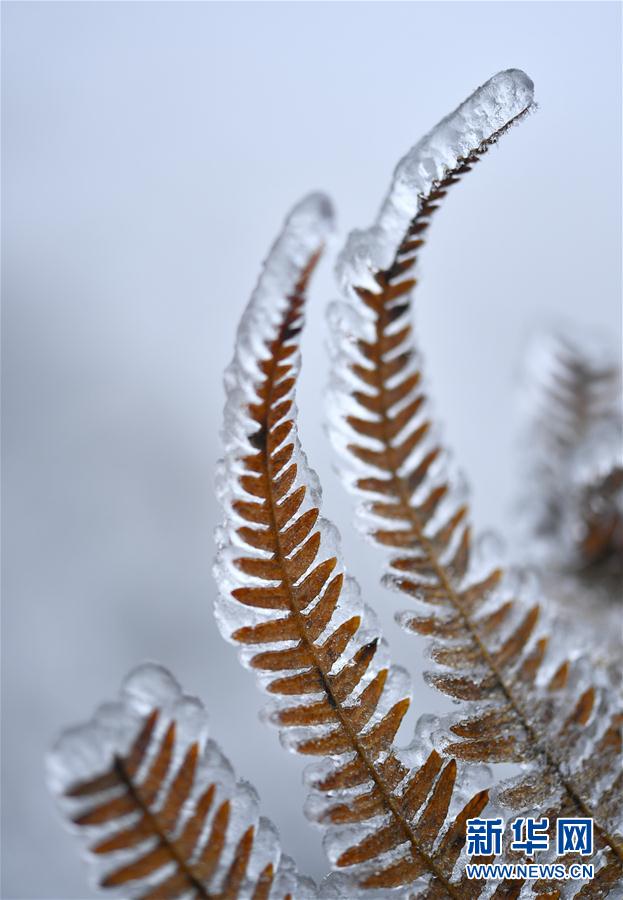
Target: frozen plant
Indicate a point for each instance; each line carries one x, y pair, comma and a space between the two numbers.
571, 503
158, 804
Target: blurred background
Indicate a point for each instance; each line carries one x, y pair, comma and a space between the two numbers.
150, 152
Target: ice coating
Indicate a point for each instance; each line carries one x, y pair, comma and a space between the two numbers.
303, 235
89, 750
491, 107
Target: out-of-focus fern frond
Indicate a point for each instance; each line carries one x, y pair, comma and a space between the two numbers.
159, 806
528, 704
571, 504
574, 403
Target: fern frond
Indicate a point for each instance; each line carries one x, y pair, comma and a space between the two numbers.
392, 818
574, 455
530, 705
570, 522
159, 805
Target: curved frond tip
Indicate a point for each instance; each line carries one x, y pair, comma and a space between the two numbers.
158, 804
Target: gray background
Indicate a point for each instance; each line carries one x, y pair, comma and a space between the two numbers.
150, 152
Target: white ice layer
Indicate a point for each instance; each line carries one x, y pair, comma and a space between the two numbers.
304, 233
89, 750
489, 109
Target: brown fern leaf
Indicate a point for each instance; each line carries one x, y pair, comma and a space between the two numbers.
159, 806
532, 707
287, 602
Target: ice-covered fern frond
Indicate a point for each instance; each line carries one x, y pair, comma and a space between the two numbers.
159, 806
573, 488
571, 496
527, 704
392, 818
